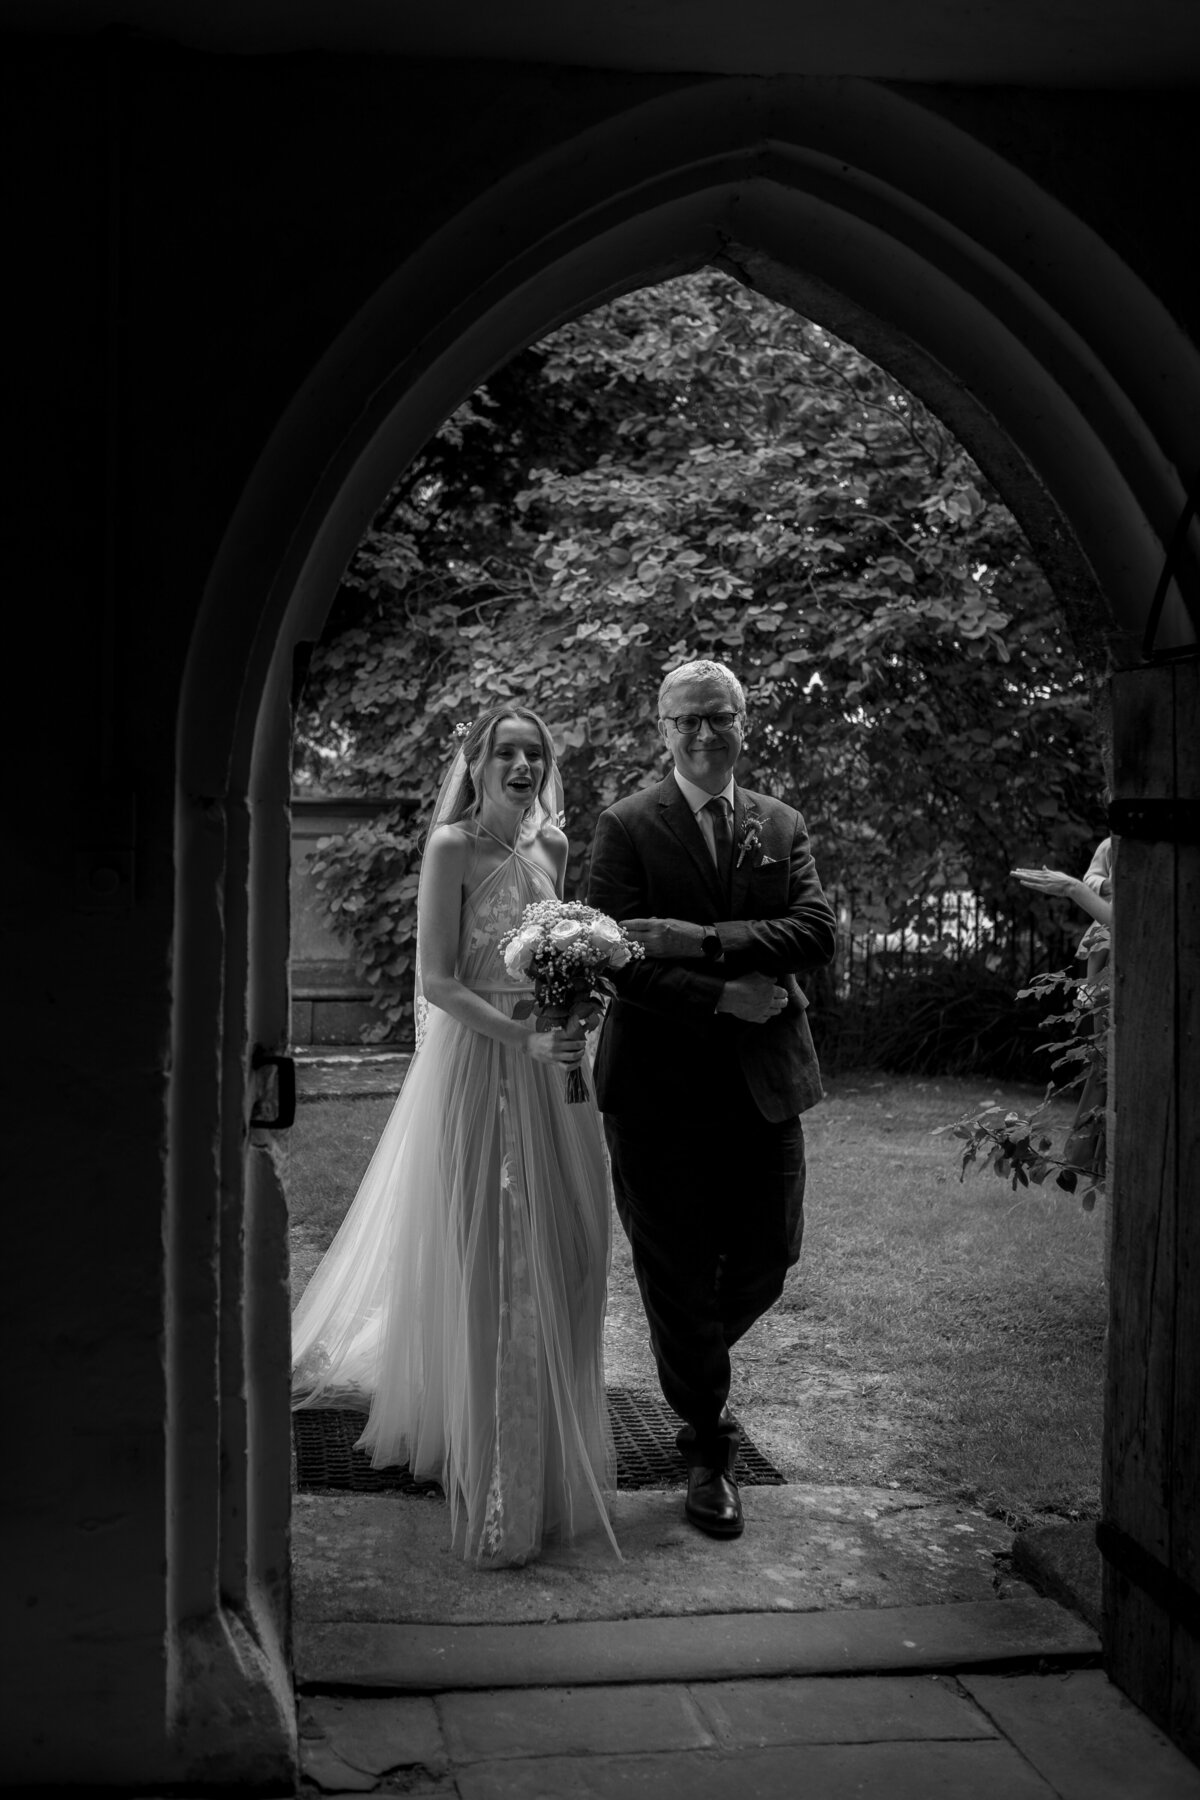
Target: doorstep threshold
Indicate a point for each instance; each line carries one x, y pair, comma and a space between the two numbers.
381, 1657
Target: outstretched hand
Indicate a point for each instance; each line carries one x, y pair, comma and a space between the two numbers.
1067, 887
1048, 881
754, 997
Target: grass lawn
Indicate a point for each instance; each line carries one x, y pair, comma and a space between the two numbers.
935, 1336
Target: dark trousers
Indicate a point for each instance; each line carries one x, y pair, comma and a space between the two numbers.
714, 1212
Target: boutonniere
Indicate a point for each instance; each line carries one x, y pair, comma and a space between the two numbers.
750, 841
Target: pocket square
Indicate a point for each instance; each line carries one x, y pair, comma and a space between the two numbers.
765, 861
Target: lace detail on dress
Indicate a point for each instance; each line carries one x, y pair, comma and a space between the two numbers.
312, 1368
496, 911
512, 1523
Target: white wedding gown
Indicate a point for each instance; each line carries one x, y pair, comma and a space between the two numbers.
464, 1294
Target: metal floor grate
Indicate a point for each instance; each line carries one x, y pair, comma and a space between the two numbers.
643, 1428
327, 1462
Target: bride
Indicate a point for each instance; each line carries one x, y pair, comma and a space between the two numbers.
463, 1297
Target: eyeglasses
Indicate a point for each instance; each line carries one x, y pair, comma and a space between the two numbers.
689, 722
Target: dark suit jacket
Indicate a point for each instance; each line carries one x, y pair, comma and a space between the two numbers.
662, 1045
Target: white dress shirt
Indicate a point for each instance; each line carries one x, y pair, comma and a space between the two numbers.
697, 799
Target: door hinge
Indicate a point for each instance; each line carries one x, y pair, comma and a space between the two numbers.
284, 1086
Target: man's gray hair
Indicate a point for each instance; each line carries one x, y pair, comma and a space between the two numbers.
703, 671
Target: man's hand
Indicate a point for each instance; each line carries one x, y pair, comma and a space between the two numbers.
754, 997
667, 937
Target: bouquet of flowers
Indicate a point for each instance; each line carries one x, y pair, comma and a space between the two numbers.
564, 947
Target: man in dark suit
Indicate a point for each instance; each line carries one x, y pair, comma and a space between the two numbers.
705, 1060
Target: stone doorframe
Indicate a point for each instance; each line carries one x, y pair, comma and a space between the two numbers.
868, 213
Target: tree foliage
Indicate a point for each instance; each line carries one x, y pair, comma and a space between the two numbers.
688, 471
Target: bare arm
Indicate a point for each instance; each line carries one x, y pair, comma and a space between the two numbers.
1067, 887
558, 849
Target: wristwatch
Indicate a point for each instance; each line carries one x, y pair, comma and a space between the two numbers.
710, 945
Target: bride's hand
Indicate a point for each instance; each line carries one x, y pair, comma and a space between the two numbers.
553, 1047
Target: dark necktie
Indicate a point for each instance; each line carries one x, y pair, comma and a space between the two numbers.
718, 812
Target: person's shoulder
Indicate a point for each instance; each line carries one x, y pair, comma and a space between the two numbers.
768, 805
450, 840
553, 842
551, 834
635, 805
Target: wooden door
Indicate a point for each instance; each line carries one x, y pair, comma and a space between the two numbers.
1150, 1529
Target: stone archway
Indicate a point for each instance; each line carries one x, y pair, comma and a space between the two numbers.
866, 211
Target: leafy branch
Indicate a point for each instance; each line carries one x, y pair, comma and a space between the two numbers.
1020, 1148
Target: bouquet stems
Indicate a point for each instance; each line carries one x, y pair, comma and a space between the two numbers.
573, 1029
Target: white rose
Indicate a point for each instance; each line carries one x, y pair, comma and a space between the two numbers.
604, 933
565, 931
519, 953
618, 955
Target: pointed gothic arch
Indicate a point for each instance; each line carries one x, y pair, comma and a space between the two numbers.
1047, 356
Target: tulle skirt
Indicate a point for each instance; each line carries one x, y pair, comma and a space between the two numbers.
463, 1297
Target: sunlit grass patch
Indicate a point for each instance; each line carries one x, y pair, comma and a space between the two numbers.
978, 1313
938, 1335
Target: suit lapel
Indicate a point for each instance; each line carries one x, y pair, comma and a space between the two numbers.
681, 822
740, 877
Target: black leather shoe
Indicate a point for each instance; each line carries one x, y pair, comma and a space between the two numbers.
713, 1503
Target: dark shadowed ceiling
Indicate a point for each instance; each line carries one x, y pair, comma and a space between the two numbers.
1071, 43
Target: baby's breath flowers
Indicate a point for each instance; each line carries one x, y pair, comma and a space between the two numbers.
564, 947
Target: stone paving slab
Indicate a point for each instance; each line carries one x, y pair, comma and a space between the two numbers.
595, 1721
331, 1773
990, 1770
832, 1709
1085, 1737
1070, 1735
389, 1557
882, 1640
374, 1735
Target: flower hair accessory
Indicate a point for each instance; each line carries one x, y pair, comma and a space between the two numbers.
750, 841
460, 730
